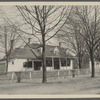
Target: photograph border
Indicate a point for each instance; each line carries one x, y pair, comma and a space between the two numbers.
50, 97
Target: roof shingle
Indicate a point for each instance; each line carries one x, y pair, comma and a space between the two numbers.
27, 52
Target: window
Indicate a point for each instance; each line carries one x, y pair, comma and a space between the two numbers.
12, 62
39, 49
27, 64
48, 62
63, 61
37, 65
56, 63
68, 61
56, 51
24, 64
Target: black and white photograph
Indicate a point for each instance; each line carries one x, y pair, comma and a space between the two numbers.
50, 49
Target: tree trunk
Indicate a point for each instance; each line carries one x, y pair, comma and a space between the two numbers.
79, 60
92, 65
44, 62
80, 63
7, 60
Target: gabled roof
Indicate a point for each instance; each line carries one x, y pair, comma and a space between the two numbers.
49, 50
24, 53
31, 53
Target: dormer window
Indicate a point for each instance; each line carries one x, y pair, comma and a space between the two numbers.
56, 51
40, 50
67, 51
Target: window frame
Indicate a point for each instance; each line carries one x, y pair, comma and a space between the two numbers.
26, 64
63, 62
48, 61
68, 62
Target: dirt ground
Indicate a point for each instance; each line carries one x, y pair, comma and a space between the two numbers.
54, 86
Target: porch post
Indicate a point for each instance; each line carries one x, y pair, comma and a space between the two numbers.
12, 76
71, 64
60, 63
52, 63
33, 65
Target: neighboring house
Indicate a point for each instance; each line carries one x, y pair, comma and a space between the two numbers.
85, 63
22, 59
96, 64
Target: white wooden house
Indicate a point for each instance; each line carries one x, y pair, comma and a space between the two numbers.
26, 58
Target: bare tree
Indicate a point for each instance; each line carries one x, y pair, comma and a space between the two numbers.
44, 22
71, 36
8, 40
89, 18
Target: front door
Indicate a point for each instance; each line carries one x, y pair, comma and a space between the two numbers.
37, 65
56, 63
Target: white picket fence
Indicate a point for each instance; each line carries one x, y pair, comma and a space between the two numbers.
50, 74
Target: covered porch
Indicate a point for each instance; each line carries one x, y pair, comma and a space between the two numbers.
52, 63
59, 63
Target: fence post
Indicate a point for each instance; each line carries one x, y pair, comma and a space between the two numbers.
18, 74
73, 73
69, 72
30, 75
78, 72
12, 76
58, 74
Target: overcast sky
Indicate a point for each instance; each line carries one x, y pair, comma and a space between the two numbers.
13, 14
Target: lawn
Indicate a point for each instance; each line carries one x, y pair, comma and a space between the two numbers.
54, 86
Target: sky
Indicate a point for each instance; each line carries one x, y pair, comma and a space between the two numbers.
13, 14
